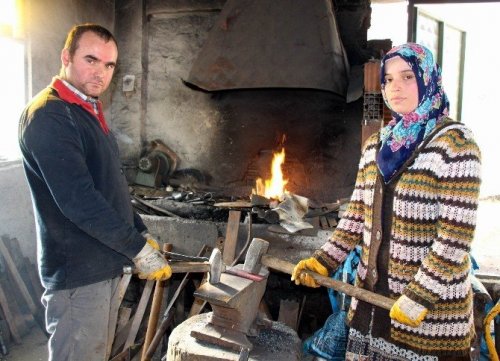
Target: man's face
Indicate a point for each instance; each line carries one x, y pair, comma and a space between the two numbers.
91, 68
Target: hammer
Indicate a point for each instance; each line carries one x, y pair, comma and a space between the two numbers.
215, 267
287, 267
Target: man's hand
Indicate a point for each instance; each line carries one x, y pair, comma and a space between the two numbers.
408, 312
150, 262
311, 264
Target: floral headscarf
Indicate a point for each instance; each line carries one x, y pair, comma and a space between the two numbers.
405, 131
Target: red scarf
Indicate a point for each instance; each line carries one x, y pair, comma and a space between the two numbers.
69, 96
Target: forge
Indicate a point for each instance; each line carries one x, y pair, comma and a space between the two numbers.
225, 85
322, 145
221, 89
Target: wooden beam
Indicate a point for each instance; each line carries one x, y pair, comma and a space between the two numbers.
8, 317
139, 313
233, 225
17, 278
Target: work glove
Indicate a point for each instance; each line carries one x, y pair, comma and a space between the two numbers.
150, 263
407, 311
311, 264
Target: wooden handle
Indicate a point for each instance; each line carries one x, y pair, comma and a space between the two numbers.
359, 293
155, 311
167, 316
189, 267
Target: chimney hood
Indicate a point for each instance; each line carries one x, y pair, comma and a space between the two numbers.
273, 44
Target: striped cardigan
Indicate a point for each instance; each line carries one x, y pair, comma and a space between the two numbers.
433, 223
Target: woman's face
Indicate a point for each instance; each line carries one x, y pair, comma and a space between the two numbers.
401, 89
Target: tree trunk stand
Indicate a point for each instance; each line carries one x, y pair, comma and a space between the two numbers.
277, 343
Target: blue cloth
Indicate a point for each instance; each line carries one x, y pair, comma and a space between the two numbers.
86, 228
345, 273
330, 341
484, 354
405, 131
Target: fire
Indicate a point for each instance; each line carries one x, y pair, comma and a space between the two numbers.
275, 187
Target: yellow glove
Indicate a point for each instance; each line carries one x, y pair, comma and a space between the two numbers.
150, 263
408, 312
152, 242
311, 264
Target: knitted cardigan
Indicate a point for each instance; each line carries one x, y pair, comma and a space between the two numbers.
433, 223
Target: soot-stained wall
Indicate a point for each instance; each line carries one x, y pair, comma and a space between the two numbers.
224, 134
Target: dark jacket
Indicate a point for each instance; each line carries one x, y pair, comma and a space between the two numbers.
86, 228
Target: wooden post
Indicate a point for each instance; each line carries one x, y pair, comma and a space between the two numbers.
233, 225
8, 317
155, 311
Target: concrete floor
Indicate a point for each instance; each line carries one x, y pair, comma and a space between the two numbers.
32, 348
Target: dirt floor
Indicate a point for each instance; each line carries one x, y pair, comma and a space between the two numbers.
32, 348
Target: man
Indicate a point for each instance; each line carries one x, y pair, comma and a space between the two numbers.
86, 227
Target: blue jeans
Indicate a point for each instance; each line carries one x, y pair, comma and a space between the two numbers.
78, 321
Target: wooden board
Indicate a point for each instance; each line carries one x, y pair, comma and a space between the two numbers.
139, 314
236, 204
289, 313
233, 225
17, 277
8, 317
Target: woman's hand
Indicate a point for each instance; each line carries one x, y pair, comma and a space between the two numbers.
311, 264
408, 312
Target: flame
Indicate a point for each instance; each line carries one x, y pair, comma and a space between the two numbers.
275, 187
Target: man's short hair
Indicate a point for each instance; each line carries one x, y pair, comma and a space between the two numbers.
77, 31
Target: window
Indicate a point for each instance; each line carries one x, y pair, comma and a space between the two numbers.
447, 44
12, 91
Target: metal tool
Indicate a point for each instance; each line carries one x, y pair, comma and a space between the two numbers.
235, 303
172, 256
359, 293
214, 267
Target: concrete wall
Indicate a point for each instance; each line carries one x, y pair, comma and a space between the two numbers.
126, 108
189, 236
157, 44
16, 211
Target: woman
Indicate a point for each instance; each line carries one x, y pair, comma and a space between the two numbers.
413, 211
